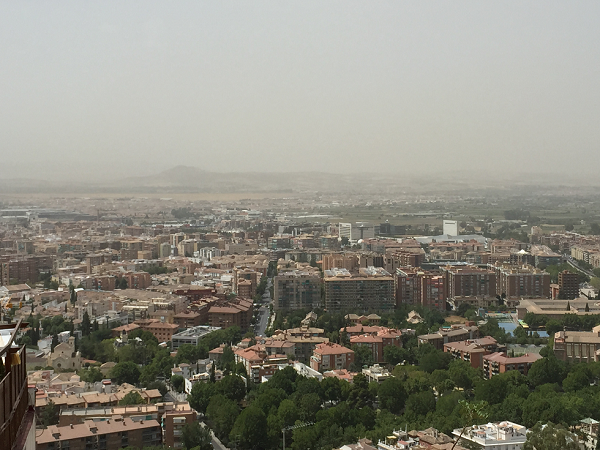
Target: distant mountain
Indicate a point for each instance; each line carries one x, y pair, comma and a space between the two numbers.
187, 179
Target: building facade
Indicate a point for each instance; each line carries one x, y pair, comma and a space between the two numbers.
363, 293
296, 290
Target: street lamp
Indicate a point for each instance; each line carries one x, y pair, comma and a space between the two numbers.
293, 427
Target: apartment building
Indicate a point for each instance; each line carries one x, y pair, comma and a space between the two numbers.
413, 257
376, 373
19, 269
371, 290
137, 280
304, 339
296, 290
472, 351
514, 282
469, 281
130, 248
433, 291
378, 341
465, 283
173, 423
348, 261
229, 313
102, 435
408, 286
328, 242
507, 245
278, 242
160, 330
544, 256
568, 284
456, 333
187, 319
419, 287
245, 281
499, 362
330, 356
99, 283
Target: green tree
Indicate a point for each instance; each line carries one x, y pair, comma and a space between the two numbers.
178, 382
287, 412
132, 398
54, 342
546, 370
470, 414
200, 396
395, 355
126, 372
331, 389
462, 374
91, 375
222, 412
86, 325
49, 414
228, 358
213, 375
420, 404
249, 429
392, 395
363, 356
232, 387
435, 360
197, 437
550, 437
284, 379
578, 378
552, 327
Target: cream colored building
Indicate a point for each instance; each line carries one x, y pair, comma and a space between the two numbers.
64, 356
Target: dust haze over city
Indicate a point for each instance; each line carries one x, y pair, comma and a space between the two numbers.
304, 225
114, 90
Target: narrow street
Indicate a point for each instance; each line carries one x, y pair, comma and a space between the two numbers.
264, 311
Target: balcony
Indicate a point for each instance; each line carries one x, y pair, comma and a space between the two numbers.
14, 398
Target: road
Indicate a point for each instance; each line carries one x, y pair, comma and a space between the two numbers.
216, 443
264, 312
573, 263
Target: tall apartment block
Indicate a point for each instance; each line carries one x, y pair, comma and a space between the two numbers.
470, 284
340, 261
296, 290
568, 283
419, 287
521, 281
371, 290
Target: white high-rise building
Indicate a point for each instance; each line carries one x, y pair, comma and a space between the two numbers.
450, 227
345, 230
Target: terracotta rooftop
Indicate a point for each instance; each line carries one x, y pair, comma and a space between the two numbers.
91, 428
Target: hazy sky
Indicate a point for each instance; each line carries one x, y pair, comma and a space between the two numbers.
328, 86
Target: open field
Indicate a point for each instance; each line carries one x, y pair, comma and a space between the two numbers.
455, 319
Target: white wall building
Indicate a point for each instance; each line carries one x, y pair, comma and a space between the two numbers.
496, 436
345, 230
450, 227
